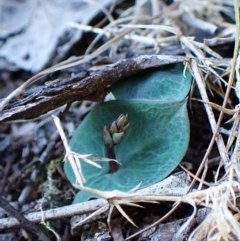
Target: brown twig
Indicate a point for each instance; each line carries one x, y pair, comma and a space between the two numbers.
25, 223
62, 212
103, 21
92, 87
61, 66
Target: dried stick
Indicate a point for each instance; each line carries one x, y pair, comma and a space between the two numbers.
82, 89
23, 221
62, 212
61, 66
201, 86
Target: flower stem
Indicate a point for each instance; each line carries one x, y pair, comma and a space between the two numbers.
113, 166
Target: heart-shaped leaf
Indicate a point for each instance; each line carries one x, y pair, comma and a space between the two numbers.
153, 144
168, 84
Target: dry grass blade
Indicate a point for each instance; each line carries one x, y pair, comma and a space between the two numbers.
119, 208
94, 214
76, 158
220, 223
200, 82
220, 108
216, 197
69, 154
61, 66
194, 176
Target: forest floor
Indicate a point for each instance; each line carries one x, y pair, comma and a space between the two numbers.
50, 65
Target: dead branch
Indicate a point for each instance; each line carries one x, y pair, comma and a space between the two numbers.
45, 98
62, 212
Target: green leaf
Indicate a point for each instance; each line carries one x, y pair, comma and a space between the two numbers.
168, 84
155, 141
152, 147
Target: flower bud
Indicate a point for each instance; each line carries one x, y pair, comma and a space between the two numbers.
113, 128
124, 128
107, 138
122, 121
117, 137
